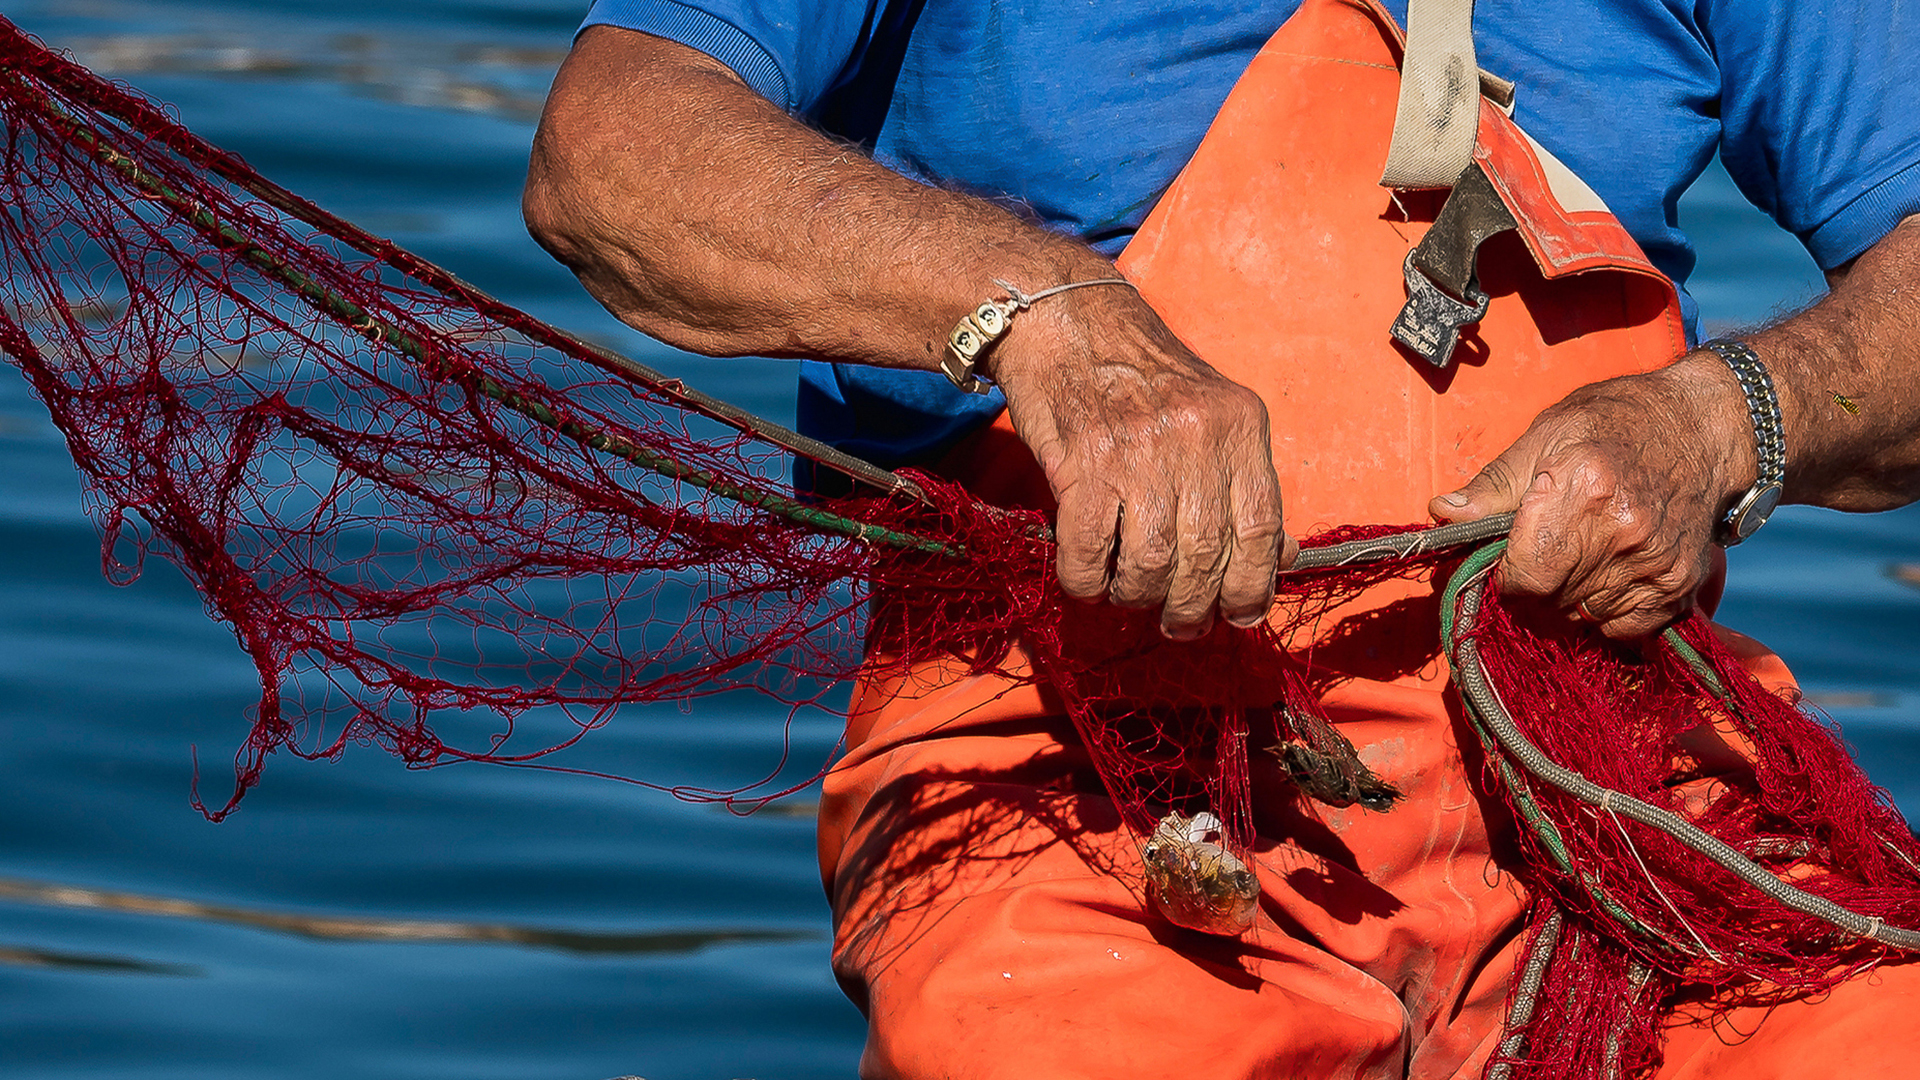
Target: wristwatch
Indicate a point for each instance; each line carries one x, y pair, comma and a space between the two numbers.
1763, 408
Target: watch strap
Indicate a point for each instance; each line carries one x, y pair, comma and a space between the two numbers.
1753, 507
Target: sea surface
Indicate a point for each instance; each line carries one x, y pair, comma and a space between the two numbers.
357, 920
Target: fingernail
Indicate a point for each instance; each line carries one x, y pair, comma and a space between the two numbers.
1454, 498
1186, 633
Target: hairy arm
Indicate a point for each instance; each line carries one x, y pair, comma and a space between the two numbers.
703, 215
1620, 487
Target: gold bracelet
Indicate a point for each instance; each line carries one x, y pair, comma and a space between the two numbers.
975, 335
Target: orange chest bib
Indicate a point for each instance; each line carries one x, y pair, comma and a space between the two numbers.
1278, 258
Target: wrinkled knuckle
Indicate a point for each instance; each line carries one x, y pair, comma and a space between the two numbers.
1082, 569
1524, 579
1081, 547
1056, 459
1625, 516
1257, 521
1251, 427
1240, 591
1650, 610
1629, 629
1138, 582
1181, 418
1071, 492
1102, 442
1125, 588
1633, 526
1246, 402
1258, 528
1205, 550
1675, 581
1595, 498
1084, 529
1641, 600
1189, 604
1152, 555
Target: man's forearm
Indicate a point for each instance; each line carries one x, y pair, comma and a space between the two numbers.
1848, 374
701, 214
705, 216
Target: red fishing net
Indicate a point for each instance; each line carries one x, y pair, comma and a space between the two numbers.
430, 518
1684, 730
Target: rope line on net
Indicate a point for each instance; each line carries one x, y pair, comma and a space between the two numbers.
1401, 546
1526, 995
137, 114
381, 332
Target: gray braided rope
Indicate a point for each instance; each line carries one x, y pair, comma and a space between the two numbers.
1405, 545
1526, 995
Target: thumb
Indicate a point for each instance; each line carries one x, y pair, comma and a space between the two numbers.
1495, 490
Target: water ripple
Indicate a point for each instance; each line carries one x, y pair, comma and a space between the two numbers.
361, 928
494, 79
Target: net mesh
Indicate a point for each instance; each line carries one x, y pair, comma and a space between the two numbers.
431, 519
428, 516
1660, 923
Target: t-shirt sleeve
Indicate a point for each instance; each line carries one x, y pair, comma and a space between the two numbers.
790, 51
1820, 113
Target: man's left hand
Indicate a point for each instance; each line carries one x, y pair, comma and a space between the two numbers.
1617, 492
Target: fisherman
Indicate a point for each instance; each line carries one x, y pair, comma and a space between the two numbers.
843, 183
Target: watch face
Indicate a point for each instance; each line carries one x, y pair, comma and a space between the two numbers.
1754, 510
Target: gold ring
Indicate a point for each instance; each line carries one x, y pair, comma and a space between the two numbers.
1581, 609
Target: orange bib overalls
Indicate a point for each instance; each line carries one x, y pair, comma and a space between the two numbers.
966, 848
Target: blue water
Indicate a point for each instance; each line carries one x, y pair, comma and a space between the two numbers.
588, 938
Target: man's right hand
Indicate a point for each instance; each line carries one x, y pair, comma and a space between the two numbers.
1161, 466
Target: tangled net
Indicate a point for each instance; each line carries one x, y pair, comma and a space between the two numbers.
421, 509
1772, 870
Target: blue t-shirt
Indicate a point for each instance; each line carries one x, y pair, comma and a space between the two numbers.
1082, 112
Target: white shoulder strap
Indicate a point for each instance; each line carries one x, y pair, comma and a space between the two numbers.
1439, 111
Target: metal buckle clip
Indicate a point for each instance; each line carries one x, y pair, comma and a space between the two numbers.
1430, 322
